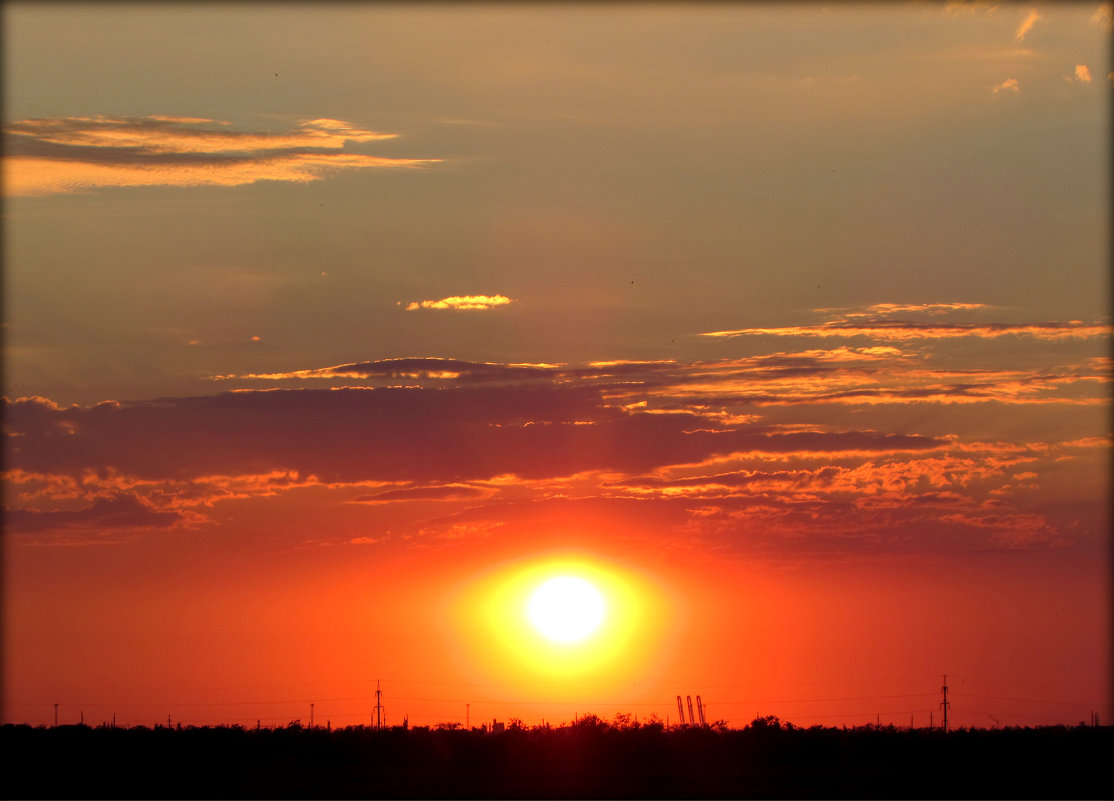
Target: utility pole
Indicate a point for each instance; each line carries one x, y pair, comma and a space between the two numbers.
311, 715
468, 716
945, 704
378, 705
56, 714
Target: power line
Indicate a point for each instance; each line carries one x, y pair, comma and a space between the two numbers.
1029, 700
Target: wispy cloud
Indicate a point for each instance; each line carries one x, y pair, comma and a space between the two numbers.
1008, 85
450, 492
902, 331
73, 154
1081, 74
413, 368
970, 6
1026, 25
886, 309
460, 302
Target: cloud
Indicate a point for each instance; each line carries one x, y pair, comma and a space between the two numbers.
452, 492
902, 331
1103, 18
122, 511
460, 302
413, 368
1082, 74
1026, 25
847, 376
74, 154
708, 451
885, 309
1008, 85
396, 434
970, 6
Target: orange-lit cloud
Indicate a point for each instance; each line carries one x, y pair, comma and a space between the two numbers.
901, 331
712, 451
74, 154
459, 302
1026, 25
1008, 85
848, 376
1082, 73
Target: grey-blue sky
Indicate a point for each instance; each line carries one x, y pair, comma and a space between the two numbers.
741, 164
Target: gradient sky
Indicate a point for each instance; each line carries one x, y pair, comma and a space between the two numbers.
329, 331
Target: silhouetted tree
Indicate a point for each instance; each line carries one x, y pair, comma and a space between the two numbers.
765, 722
623, 721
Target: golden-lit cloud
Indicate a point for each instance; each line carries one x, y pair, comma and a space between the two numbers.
461, 302
1082, 74
1026, 25
1008, 85
412, 368
75, 154
1103, 18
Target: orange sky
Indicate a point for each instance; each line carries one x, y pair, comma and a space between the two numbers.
332, 331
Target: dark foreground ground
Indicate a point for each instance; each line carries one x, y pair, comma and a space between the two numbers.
593, 761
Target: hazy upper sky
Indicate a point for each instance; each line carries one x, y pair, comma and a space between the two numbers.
792, 317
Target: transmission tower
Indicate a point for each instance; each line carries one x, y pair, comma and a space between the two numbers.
378, 706
945, 703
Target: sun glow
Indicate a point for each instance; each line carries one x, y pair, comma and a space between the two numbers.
561, 616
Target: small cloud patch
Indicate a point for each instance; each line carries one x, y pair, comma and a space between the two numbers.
1008, 85
461, 302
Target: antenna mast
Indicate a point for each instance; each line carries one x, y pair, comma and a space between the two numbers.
945, 703
378, 706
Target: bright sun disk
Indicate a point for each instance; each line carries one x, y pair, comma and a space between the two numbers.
566, 609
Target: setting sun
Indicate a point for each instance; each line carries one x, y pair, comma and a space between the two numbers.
566, 609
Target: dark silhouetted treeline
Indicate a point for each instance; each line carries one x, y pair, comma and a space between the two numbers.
590, 759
